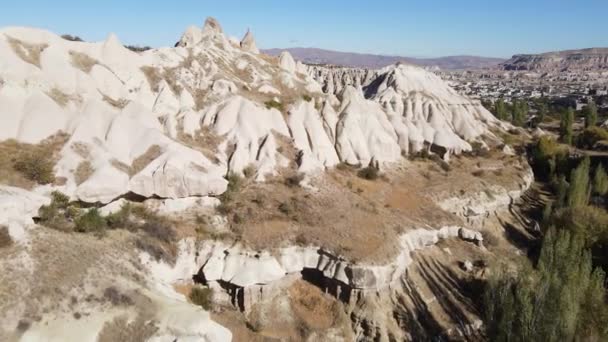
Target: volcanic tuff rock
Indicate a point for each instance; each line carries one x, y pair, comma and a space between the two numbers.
594, 59
171, 122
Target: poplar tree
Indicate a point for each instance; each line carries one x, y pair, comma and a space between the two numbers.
578, 192
565, 126
590, 112
600, 181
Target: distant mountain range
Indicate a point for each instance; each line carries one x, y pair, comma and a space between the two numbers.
321, 56
592, 59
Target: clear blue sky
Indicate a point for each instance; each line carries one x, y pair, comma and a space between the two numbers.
410, 28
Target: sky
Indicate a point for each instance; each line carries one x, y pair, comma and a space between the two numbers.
430, 28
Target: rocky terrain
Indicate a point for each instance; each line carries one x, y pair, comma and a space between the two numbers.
210, 192
360, 60
593, 59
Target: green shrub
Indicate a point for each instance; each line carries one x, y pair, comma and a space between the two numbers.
201, 296
548, 156
160, 230
36, 166
59, 214
369, 173
91, 221
249, 171
286, 208
294, 180
306, 98
121, 218
590, 136
274, 104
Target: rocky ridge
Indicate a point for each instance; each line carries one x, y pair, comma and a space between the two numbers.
184, 115
585, 60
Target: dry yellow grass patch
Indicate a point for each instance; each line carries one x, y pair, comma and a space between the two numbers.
29, 53
83, 61
120, 103
154, 76
12, 151
120, 329
204, 141
83, 172
145, 159
62, 98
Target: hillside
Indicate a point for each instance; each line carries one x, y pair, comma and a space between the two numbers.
211, 192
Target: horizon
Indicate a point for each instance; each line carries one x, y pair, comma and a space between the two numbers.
389, 28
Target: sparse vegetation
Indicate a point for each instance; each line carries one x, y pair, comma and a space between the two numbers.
249, 171
145, 159
120, 329
58, 214
370, 173
90, 222
82, 61
116, 298
201, 296
5, 237
83, 172
274, 104
36, 166
306, 98
153, 76
294, 180
29, 53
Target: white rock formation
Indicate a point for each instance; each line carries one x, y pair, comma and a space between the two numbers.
248, 43
171, 122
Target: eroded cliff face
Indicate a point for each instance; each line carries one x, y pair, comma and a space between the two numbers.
412, 295
595, 59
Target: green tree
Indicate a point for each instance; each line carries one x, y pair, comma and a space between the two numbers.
519, 111
578, 192
565, 126
563, 299
543, 110
590, 112
501, 109
600, 181
562, 191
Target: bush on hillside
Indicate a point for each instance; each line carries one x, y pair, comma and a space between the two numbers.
36, 166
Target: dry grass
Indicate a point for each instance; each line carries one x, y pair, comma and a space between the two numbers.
121, 166
204, 141
81, 149
145, 159
154, 76
121, 330
11, 152
62, 98
29, 53
83, 172
120, 103
83, 61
